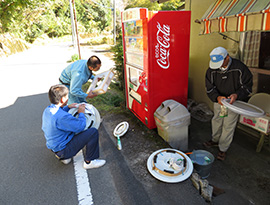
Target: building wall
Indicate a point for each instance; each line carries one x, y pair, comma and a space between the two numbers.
200, 48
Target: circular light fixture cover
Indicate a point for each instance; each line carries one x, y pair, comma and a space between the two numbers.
121, 129
169, 165
243, 108
92, 120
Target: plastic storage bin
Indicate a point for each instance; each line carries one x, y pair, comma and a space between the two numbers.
172, 120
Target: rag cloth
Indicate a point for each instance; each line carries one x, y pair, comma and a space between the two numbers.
88, 108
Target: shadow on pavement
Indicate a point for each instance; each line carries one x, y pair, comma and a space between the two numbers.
29, 173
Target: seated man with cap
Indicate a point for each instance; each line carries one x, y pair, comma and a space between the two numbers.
226, 78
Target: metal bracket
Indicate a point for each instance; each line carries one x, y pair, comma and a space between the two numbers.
225, 37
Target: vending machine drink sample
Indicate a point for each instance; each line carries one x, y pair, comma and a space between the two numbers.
156, 59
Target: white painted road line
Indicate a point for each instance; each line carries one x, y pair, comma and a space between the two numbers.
83, 185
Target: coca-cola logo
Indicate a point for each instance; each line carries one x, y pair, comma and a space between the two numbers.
162, 48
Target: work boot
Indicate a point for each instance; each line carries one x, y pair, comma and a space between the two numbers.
210, 143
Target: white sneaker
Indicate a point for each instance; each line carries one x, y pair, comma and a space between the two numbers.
94, 164
66, 161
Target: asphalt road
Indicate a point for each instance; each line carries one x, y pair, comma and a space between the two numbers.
30, 174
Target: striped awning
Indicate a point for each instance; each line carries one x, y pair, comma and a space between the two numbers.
236, 15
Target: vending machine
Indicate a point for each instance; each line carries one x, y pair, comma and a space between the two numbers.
156, 59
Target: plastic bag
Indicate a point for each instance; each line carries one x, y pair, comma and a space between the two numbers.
199, 111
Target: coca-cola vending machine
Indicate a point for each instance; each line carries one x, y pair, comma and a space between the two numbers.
156, 59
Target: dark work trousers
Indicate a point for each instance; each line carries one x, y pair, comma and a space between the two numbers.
88, 138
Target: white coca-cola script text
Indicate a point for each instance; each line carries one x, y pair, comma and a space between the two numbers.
162, 48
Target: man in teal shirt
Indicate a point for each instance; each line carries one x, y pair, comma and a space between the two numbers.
77, 74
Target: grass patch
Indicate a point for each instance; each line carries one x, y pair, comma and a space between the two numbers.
112, 101
100, 40
74, 58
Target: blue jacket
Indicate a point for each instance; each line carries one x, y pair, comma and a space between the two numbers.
59, 126
75, 75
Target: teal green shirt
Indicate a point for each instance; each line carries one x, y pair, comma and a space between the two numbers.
75, 75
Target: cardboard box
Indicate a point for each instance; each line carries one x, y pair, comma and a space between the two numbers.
261, 124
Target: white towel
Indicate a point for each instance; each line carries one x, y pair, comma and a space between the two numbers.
88, 108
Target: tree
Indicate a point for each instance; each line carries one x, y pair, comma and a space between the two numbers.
94, 14
32, 18
118, 59
172, 5
152, 6
12, 12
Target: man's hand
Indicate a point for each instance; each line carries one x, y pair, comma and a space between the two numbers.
233, 98
81, 108
219, 98
91, 95
73, 105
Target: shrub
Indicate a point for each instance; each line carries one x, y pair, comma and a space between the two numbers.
75, 57
118, 58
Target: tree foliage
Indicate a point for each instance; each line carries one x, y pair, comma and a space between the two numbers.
94, 14
118, 59
32, 18
152, 6
172, 5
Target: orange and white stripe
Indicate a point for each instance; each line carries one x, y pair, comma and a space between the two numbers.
266, 21
215, 7
222, 25
229, 7
242, 23
266, 18
207, 27
244, 16
248, 6
223, 20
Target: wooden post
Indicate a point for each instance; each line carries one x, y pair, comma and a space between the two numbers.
76, 28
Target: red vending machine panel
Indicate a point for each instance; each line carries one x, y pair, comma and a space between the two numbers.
156, 59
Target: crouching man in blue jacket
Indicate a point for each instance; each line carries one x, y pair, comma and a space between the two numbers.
59, 128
